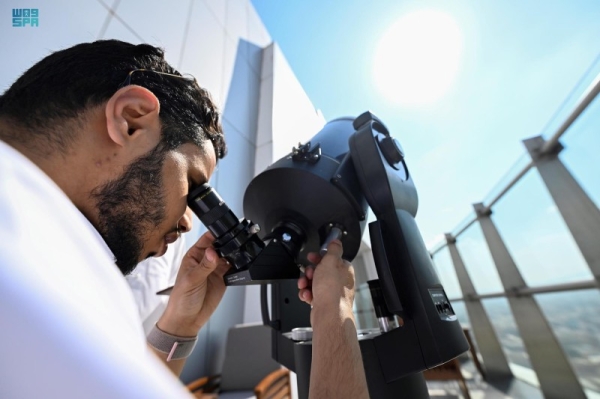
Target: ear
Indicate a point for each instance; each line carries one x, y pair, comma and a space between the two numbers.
131, 113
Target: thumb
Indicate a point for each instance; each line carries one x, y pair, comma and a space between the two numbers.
199, 264
334, 249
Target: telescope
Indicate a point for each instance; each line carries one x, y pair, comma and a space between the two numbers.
319, 192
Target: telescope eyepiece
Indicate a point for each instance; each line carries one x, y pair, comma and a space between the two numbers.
235, 239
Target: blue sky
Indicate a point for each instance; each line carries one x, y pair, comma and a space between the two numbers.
519, 62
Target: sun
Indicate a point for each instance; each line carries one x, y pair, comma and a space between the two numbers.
418, 58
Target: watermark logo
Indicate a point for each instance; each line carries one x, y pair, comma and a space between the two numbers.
22, 17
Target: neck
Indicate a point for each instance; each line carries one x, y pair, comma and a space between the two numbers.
76, 167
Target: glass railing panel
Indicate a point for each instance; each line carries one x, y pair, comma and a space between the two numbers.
580, 156
478, 261
461, 313
571, 101
513, 172
364, 312
445, 271
464, 224
503, 321
536, 235
573, 318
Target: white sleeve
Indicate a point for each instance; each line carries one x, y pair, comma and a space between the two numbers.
55, 346
69, 327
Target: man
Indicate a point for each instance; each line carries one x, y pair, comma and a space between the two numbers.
101, 143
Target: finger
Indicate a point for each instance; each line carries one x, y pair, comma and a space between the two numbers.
335, 249
207, 265
302, 282
313, 258
310, 272
222, 267
205, 241
305, 296
197, 250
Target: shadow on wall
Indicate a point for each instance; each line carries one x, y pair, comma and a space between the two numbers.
233, 174
240, 120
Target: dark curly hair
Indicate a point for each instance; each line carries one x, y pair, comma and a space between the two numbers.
62, 86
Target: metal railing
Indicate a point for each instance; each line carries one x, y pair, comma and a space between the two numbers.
588, 96
555, 373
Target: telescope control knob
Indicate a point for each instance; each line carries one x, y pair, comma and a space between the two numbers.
391, 149
302, 333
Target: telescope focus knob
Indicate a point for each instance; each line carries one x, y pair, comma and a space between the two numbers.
302, 334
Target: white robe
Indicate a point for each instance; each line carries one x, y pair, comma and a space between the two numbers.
69, 326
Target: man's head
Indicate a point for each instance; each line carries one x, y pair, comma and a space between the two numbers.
122, 133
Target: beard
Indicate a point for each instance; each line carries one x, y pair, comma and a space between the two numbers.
130, 207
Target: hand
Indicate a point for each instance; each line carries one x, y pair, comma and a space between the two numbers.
329, 285
337, 369
198, 289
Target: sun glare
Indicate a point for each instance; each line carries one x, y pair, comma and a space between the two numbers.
418, 58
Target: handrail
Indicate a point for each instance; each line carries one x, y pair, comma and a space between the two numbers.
589, 95
465, 227
527, 291
510, 185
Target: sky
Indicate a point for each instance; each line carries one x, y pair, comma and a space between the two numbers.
478, 77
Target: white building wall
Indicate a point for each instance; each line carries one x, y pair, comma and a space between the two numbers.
286, 116
225, 45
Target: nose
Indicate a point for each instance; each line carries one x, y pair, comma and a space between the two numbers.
186, 223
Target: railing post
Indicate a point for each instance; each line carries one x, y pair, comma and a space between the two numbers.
555, 374
494, 360
579, 212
